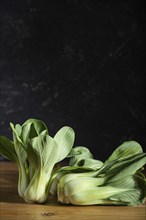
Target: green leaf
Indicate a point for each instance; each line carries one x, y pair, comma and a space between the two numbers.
15, 132
46, 150
125, 150
38, 125
78, 154
18, 129
126, 167
128, 182
92, 163
136, 189
65, 140
131, 197
7, 149
81, 156
25, 133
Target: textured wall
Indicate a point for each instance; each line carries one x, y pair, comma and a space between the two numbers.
76, 63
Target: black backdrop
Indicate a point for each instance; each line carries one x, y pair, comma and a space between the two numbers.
75, 62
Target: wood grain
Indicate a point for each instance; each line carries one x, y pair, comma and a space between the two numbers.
13, 207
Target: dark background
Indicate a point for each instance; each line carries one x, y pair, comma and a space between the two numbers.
75, 62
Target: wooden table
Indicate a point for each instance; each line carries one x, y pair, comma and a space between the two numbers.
13, 207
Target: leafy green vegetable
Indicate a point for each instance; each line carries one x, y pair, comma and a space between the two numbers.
36, 154
118, 181
82, 190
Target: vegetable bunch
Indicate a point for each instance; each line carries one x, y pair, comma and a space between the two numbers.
85, 181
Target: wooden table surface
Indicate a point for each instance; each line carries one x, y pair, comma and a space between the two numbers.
13, 207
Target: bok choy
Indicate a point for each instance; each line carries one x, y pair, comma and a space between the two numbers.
118, 181
36, 153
